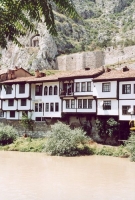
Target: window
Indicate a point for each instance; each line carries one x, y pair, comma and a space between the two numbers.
21, 88
50, 90
125, 110
38, 119
55, 90
12, 113
9, 89
83, 87
51, 107
88, 86
107, 105
47, 107
38, 107
67, 103
1, 113
106, 87
56, 107
90, 103
68, 88
84, 103
23, 102
10, 102
77, 87
38, 90
126, 89
72, 103
45, 90
79, 103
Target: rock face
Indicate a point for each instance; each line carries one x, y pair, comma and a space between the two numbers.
38, 51
104, 23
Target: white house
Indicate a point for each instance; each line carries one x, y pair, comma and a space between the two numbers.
115, 93
77, 94
72, 94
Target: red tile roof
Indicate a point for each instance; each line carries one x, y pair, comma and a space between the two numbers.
116, 75
55, 77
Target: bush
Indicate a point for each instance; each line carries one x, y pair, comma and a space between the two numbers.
26, 145
64, 141
112, 151
27, 122
7, 134
130, 145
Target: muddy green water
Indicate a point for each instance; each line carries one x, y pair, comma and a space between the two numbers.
34, 176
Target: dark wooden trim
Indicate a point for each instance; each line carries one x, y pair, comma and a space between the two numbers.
18, 110
77, 113
15, 98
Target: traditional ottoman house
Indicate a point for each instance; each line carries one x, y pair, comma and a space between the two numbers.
115, 93
37, 96
76, 93
12, 94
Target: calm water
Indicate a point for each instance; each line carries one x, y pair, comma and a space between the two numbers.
34, 176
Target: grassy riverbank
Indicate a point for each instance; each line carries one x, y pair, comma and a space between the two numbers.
37, 145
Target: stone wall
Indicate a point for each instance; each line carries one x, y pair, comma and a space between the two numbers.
120, 56
79, 61
40, 128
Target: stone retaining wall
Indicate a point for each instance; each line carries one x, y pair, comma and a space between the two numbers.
40, 128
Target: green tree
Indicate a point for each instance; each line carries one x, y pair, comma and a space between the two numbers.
107, 128
18, 16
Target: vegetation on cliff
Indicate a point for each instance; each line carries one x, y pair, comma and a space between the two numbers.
104, 23
17, 17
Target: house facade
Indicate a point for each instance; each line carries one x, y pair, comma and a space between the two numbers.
115, 93
76, 96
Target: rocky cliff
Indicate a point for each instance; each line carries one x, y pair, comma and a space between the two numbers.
103, 23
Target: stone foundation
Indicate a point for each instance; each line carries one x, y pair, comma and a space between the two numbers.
40, 128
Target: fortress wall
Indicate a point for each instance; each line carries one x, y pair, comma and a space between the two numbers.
79, 61
121, 54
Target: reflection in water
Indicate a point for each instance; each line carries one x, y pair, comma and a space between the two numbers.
34, 176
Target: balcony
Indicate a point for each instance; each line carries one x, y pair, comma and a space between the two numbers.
64, 93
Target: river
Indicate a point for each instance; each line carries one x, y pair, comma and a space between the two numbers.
35, 176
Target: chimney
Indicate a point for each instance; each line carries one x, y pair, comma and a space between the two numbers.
107, 69
16, 67
103, 68
87, 68
9, 74
125, 69
36, 73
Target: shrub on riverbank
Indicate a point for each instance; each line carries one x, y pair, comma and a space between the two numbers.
37, 145
8, 134
119, 151
66, 142
130, 145
26, 145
